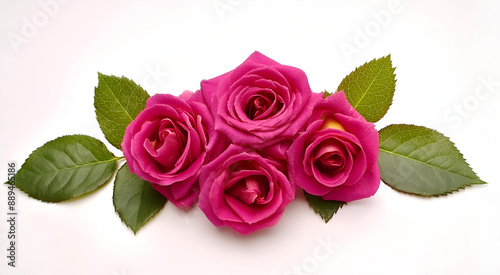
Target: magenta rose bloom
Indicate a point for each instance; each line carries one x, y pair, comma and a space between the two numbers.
166, 144
259, 103
243, 190
336, 157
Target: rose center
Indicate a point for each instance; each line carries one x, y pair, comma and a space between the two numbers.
251, 189
263, 105
330, 162
167, 144
329, 157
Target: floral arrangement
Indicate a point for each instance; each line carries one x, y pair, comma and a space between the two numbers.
243, 145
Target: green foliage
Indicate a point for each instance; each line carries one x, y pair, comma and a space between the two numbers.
66, 167
370, 88
117, 102
422, 161
135, 200
326, 209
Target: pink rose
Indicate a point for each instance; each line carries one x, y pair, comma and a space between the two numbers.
243, 190
259, 103
336, 157
166, 144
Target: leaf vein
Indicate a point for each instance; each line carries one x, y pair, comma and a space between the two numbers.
425, 163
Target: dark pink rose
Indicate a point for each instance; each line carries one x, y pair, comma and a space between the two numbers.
166, 144
243, 190
217, 142
277, 152
259, 103
336, 157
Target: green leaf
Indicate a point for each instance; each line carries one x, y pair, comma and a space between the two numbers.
135, 200
422, 161
324, 208
66, 167
370, 88
117, 102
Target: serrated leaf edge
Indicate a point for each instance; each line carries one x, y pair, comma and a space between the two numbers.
395, 82
115, 159
107, 86
435, 195
326, 219
104, 130
121, 218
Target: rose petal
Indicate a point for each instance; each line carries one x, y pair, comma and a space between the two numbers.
242, 190
166, 145
366, 187
261, 102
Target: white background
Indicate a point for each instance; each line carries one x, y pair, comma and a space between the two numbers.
443, 54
